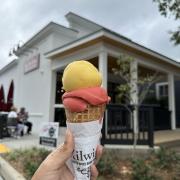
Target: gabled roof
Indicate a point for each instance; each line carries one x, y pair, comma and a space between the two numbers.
101, 32
106, 34
43, 33
9, 65
72, 17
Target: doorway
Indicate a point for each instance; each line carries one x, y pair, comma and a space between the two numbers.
59, 112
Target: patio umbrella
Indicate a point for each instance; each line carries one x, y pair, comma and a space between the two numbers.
10, 97
2, 100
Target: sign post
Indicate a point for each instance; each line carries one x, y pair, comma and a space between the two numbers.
49, 134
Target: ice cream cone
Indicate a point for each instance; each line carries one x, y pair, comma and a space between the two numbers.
84, 101
92, 113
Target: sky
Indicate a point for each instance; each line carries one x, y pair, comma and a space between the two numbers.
138, 20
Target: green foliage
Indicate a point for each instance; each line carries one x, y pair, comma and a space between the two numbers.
165, 159
171, 8
28, 159
30, 167
12, 156
107, 164
143, 83
142, 171
175, 36
158, 165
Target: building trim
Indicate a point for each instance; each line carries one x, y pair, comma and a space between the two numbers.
157, 88
9, 66
109, 36
46, 30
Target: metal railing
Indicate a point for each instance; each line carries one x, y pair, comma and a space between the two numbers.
118, 126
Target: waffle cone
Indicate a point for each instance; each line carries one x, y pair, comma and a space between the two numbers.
92, 113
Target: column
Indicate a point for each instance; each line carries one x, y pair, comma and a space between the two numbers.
134, 93
52, 96
103, 67
171, 100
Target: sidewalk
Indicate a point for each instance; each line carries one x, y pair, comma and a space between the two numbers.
164, 136
28, 141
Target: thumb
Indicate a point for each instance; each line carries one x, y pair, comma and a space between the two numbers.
67, 147
63, 152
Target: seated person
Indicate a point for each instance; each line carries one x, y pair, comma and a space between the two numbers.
23, 118
13, 124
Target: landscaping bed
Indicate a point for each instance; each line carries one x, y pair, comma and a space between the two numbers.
160, 165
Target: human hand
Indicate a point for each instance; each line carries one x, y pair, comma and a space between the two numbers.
54, 166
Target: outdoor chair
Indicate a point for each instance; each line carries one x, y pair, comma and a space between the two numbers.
12, 127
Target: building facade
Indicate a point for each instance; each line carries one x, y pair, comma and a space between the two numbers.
34, 79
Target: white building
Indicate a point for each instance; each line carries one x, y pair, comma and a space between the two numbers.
36, 74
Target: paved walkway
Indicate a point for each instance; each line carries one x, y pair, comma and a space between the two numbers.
166, 136
28, 141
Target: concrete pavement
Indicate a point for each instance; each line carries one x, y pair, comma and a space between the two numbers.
28, 141
164, 136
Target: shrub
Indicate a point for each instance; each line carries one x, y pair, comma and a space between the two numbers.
142, 171
30, 168
27, 160
106, 165
165, 159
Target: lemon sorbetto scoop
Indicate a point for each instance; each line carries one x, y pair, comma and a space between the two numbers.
80, 74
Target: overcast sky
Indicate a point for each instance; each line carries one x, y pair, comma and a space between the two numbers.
138, 20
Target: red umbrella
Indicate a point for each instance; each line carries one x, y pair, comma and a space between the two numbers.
2, 100
10, 97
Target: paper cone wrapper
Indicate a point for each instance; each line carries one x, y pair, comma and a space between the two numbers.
86, 137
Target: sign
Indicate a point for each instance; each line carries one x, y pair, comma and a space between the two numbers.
49, 134
32, 64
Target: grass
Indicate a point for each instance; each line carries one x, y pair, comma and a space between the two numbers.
159, 165
27, 161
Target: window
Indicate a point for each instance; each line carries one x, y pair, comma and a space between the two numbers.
59, 91
59, 110
161, 90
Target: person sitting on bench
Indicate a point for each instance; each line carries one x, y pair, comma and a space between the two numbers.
14, 128
23, 117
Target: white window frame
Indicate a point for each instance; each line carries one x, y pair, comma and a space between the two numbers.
158, 85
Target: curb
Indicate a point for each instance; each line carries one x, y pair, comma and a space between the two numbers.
8, 172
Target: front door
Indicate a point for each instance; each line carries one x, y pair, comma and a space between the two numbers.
59, 113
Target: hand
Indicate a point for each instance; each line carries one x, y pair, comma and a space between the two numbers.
54, 166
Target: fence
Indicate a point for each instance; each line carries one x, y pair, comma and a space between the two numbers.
118, 127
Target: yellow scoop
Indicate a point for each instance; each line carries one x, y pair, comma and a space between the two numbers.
80, 74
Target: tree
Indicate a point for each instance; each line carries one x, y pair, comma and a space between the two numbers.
130, 85
171, 8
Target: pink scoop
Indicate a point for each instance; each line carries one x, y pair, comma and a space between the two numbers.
77, 100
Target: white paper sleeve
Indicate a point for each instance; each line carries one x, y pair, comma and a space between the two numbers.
86, 137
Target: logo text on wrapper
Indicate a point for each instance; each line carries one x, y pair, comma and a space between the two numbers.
83, 161
85, 171
80, 156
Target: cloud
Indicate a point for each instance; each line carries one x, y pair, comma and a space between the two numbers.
138, 20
